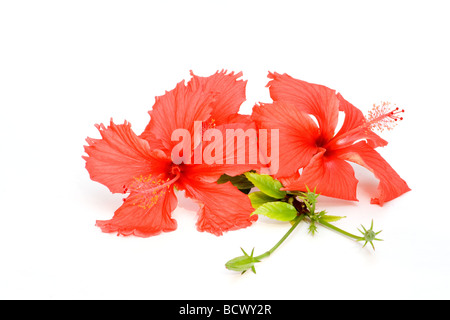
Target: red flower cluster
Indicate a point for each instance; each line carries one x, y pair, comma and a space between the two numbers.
142, 165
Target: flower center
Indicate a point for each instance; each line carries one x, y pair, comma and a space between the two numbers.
145, 191
321, 141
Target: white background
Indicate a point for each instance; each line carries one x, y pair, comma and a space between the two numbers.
67, 65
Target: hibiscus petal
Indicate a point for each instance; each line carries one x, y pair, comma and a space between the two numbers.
317, 100
290, 180
120, 156
177, 109
237, 148
329, 176
133, 219
353, 116
391, 184
222, 207
297, 134
228, 93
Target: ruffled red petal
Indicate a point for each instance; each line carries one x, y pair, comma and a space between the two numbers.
134, 219
119, 156
227, 91
391, 184
177, 109
328, 176
314, 99
222, 207
297, 134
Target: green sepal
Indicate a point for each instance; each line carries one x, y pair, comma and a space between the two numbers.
266, 184
329, 218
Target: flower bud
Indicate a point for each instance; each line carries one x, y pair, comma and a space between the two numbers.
369, 236
242, 263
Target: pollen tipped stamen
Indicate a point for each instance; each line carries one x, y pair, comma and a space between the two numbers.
148, 186
382, 117
146, 191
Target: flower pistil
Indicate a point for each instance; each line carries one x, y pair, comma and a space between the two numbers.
146, 190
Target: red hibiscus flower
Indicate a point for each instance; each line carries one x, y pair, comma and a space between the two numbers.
314, 147
142, 166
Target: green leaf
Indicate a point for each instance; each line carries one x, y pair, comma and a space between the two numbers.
328, 218
241, 182
266, 184
277, 210
258, 198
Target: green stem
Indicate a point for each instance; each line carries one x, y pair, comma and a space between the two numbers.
330, 226
297, 220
